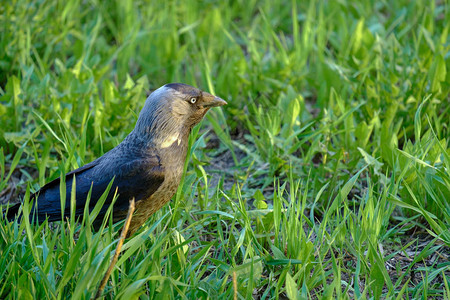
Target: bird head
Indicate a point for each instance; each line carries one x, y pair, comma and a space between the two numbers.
189, 103
171, 111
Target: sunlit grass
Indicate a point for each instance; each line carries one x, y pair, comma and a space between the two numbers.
326, 175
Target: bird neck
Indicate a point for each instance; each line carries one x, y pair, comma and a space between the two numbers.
172, 139
164, 136
162, 129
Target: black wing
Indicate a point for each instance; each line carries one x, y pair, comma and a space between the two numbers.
50, 187
138, 178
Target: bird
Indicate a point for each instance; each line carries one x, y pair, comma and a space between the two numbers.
146, 166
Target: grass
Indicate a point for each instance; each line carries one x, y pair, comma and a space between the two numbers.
326, 175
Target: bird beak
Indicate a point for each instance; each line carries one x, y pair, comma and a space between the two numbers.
212, 101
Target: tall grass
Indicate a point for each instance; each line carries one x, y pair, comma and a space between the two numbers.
326, 175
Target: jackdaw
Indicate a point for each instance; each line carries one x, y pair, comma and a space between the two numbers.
147, 165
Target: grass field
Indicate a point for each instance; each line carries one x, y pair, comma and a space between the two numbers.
326, 176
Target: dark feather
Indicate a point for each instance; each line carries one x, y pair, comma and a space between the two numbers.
138, 178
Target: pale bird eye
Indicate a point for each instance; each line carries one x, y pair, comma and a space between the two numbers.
193, 100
